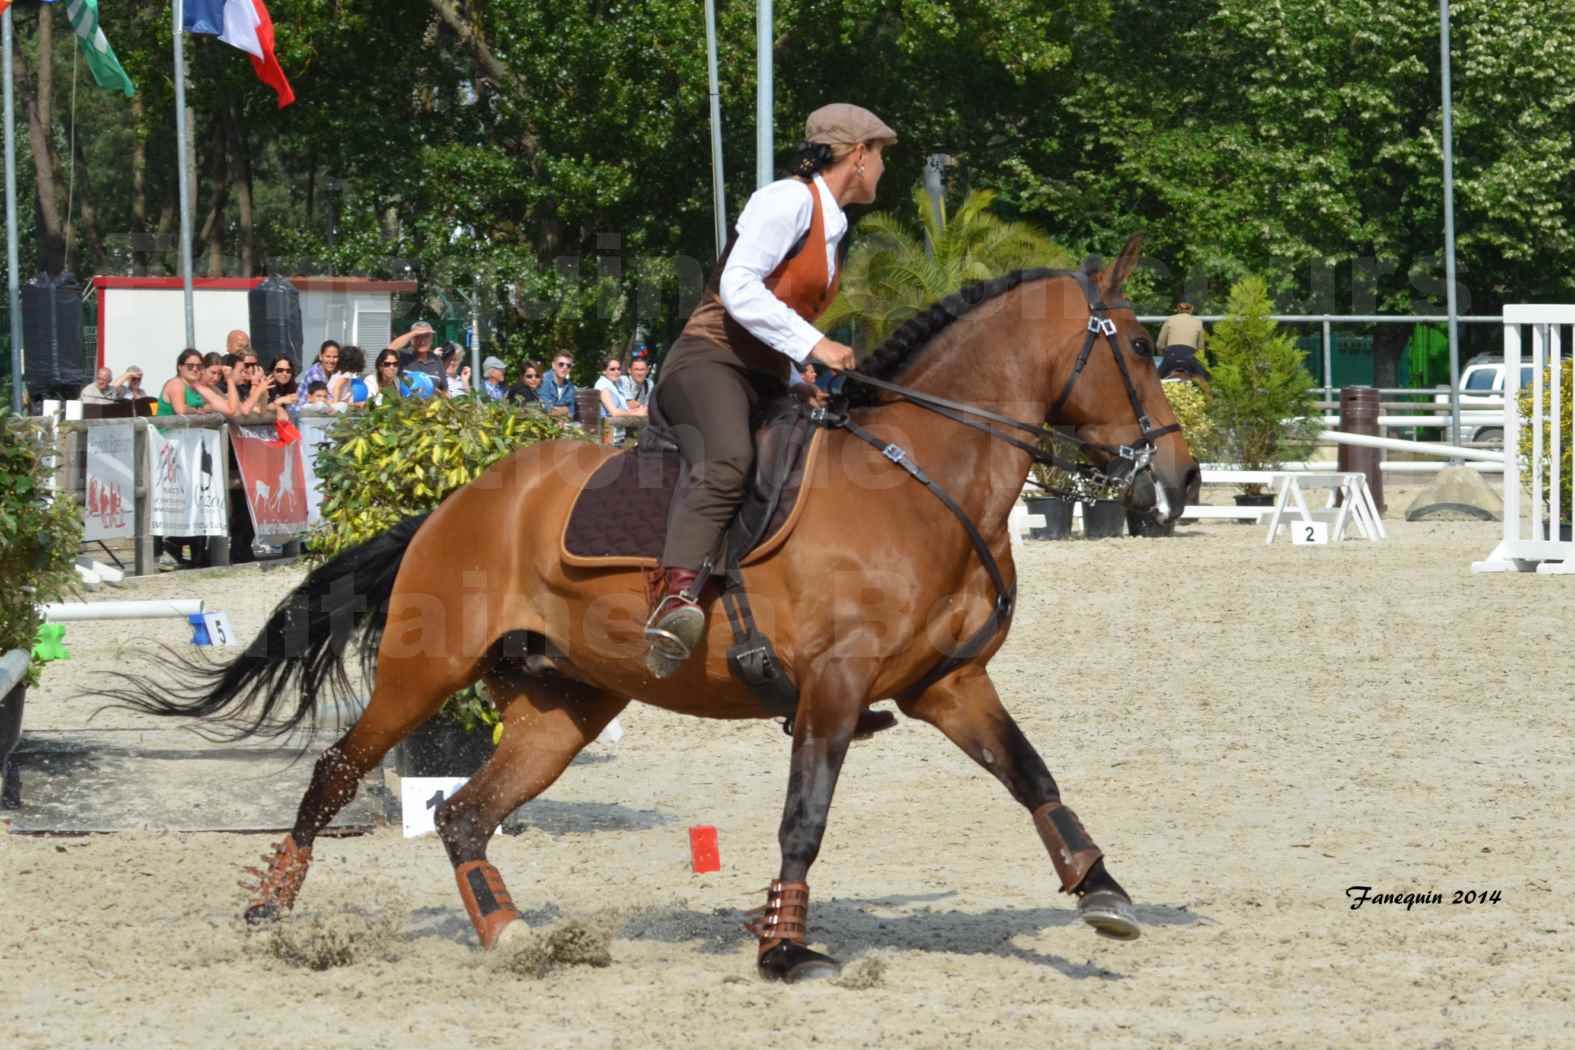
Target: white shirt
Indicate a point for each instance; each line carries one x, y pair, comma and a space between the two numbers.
773, 221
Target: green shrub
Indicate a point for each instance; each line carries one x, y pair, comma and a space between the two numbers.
40, 534
1528, 427
1260, 398
1191, 406
399, 459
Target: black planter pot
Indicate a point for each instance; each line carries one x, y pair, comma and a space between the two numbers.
1143, 525
1253, 499
1104, 519
440, 748
10, 733
1058, 519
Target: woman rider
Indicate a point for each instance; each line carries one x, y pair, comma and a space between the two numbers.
740, 347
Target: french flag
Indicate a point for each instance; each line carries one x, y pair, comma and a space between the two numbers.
244, 24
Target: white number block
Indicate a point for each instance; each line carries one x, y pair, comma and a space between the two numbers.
1306, 533
219, 630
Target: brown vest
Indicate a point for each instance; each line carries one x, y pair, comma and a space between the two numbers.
711, 335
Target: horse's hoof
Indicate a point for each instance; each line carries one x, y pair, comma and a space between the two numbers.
510, 936
790, 963
1110, 913
258, 914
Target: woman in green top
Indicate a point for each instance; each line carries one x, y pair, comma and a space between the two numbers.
187, 393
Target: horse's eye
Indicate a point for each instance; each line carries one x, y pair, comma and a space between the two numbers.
1141, 347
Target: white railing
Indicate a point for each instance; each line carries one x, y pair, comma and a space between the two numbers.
1536, 495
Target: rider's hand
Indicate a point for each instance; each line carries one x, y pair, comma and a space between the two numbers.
834, 355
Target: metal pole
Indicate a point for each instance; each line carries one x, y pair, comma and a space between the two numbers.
718, 191
765, 147
476, 378
14, 277
182, 176
1328, 364
934, 165
1449, 228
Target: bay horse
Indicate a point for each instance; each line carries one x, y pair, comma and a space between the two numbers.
866, 601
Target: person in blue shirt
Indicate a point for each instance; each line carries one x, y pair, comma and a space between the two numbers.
492, 379
556, 394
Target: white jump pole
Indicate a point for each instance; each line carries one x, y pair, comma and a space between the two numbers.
68, 612
1428, 448
88, 578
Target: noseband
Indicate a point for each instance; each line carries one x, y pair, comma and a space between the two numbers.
1139, 457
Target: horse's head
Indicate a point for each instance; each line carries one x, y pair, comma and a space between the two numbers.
1112, 398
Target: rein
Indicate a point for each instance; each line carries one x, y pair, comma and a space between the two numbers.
1138, 456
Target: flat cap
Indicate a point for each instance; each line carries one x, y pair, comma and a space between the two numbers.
490, 363
844, 124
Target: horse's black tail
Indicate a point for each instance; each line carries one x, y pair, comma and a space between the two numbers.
301, 650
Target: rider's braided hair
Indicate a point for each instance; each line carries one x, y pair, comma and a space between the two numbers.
810, 158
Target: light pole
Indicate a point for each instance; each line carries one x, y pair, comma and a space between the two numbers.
1449, 229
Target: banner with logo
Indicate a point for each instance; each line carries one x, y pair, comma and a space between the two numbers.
186, 483
109, 495
314, 435
273, 479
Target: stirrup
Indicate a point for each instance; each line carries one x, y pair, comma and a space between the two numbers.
672, 632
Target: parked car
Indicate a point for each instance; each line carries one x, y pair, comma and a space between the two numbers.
1482, 382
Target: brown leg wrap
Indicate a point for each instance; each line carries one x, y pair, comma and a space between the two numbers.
279, 885
1071, 850
785, 916
487, 900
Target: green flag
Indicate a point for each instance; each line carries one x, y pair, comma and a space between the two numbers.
101, 60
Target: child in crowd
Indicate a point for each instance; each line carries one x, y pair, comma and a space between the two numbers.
317, 392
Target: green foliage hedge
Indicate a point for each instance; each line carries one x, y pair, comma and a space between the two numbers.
39, 534
1528, 426
393, 461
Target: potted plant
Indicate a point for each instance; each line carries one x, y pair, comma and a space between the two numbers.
40, 532
1058, 491
1528, 427
1260, 394
457, 741
402, 458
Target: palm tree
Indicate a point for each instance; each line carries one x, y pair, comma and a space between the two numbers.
891, 274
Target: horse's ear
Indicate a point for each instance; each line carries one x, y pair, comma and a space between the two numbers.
1114, 277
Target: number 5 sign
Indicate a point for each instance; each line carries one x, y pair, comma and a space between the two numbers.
219, 630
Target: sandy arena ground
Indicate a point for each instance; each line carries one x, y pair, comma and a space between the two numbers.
1247, 731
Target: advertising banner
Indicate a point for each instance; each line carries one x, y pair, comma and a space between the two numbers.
186, 483
109, 496
314, 435
273, 479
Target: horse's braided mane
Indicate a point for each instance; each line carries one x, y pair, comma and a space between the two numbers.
900, 348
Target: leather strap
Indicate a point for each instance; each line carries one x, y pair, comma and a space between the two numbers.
785, 916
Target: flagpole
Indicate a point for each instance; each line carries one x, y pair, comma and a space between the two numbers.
182, 176
13, 278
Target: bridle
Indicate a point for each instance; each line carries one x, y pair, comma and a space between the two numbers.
1132, 460
1138, 458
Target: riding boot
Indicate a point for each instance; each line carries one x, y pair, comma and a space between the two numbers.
676, 622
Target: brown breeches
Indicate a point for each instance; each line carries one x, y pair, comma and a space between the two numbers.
709, 407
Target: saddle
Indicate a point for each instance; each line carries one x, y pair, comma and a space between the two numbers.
619, 518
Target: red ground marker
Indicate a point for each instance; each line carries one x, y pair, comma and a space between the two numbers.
703, 853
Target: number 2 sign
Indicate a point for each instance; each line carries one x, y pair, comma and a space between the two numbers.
1304, 533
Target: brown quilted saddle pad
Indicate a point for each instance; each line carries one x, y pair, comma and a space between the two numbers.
619, 518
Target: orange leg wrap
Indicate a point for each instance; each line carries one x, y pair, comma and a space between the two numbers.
279, 885
487, 900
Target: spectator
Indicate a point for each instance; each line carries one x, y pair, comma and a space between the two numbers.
101, 391
348, 386
214, 373
129, 387
419, 356
1181, 338
614, 404
556, 392
492, 379
326, 365
282, 388
524, 392
251, 386
238, 343
457, 374
806, 371
317, 393
187, 392
391, 382
635, 383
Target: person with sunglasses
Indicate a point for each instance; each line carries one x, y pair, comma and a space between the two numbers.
280, 381
614, 405
524, 392
393, 381
189, 391
556, 393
